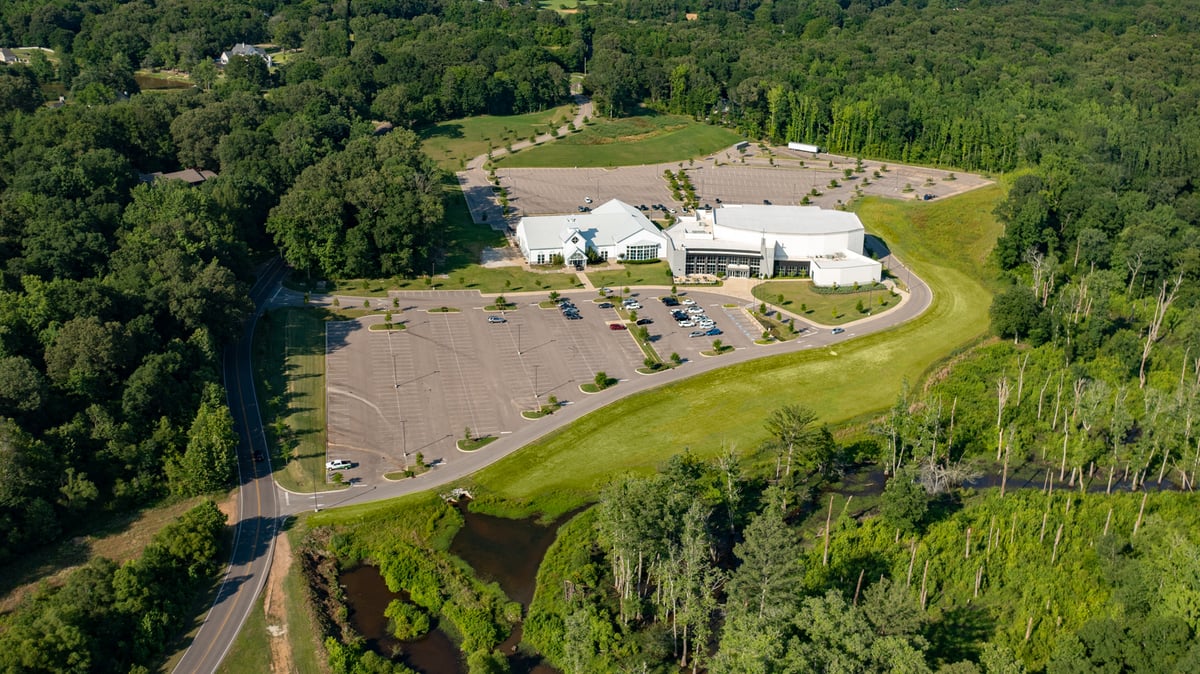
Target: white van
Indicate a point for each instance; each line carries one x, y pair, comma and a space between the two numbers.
338, 464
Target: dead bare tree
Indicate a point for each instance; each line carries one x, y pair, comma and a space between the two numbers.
1002, 393
1134, 266
1160, 312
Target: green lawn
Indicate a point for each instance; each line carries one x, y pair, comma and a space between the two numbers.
648, 138
656, 274
452, 143
469, 277
821, 307
946, 242
251, 651
290, 362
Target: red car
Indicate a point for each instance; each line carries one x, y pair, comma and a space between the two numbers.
617, 326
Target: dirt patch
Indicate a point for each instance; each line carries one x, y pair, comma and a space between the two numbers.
276, 610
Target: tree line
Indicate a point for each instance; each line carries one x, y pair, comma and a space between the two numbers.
708, 567
109, 617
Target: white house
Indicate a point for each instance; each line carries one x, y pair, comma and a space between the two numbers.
613, 231
243, 49
766, 241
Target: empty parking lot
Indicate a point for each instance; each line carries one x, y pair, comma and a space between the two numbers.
392, 394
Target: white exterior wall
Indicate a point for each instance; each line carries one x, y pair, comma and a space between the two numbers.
800, 246
640, 239
869, 272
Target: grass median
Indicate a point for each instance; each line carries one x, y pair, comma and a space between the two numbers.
826, 308
289, 360
947, 243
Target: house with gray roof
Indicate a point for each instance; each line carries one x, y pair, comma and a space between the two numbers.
612, 231
243, 49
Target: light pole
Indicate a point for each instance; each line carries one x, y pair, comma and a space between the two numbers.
404, 443
518, 339
535, 387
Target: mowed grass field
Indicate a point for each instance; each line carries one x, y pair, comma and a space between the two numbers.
655, 274
648, 138
947, 243
821, 307
289, 347
452, 143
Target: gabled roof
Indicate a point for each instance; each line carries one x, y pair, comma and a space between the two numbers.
606, 225
243, 49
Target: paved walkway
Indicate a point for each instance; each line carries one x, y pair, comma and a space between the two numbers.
477, 189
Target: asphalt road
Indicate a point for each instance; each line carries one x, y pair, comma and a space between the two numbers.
257, 514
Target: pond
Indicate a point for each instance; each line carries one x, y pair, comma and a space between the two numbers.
502, 550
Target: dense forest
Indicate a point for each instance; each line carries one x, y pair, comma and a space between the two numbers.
117, 297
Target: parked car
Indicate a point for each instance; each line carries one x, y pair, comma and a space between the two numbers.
838, 331
628, 300
339, 464
645, 321
686, 324
712, 332
605, 305
634, 306
670, 302
497, 319
688, 301
587, 200
617, 326
707, 323
574, 317
698, 333
695, 310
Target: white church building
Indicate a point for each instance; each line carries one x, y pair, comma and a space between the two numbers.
612, 231
767, 241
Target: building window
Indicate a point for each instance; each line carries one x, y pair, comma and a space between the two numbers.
642, 252
604, 255
541, 258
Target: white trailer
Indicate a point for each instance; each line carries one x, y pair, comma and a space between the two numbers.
804, 147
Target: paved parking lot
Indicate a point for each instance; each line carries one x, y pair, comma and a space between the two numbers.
785, 177
391, 394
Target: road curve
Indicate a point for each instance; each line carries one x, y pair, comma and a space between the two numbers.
257, 516
914, 303
260, 512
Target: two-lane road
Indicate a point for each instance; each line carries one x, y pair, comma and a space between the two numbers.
257, 516
259, 513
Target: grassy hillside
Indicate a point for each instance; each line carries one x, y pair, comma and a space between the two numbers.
648, 138
946, 242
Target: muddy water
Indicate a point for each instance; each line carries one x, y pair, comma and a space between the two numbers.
506, 551
368, 596
501, 550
